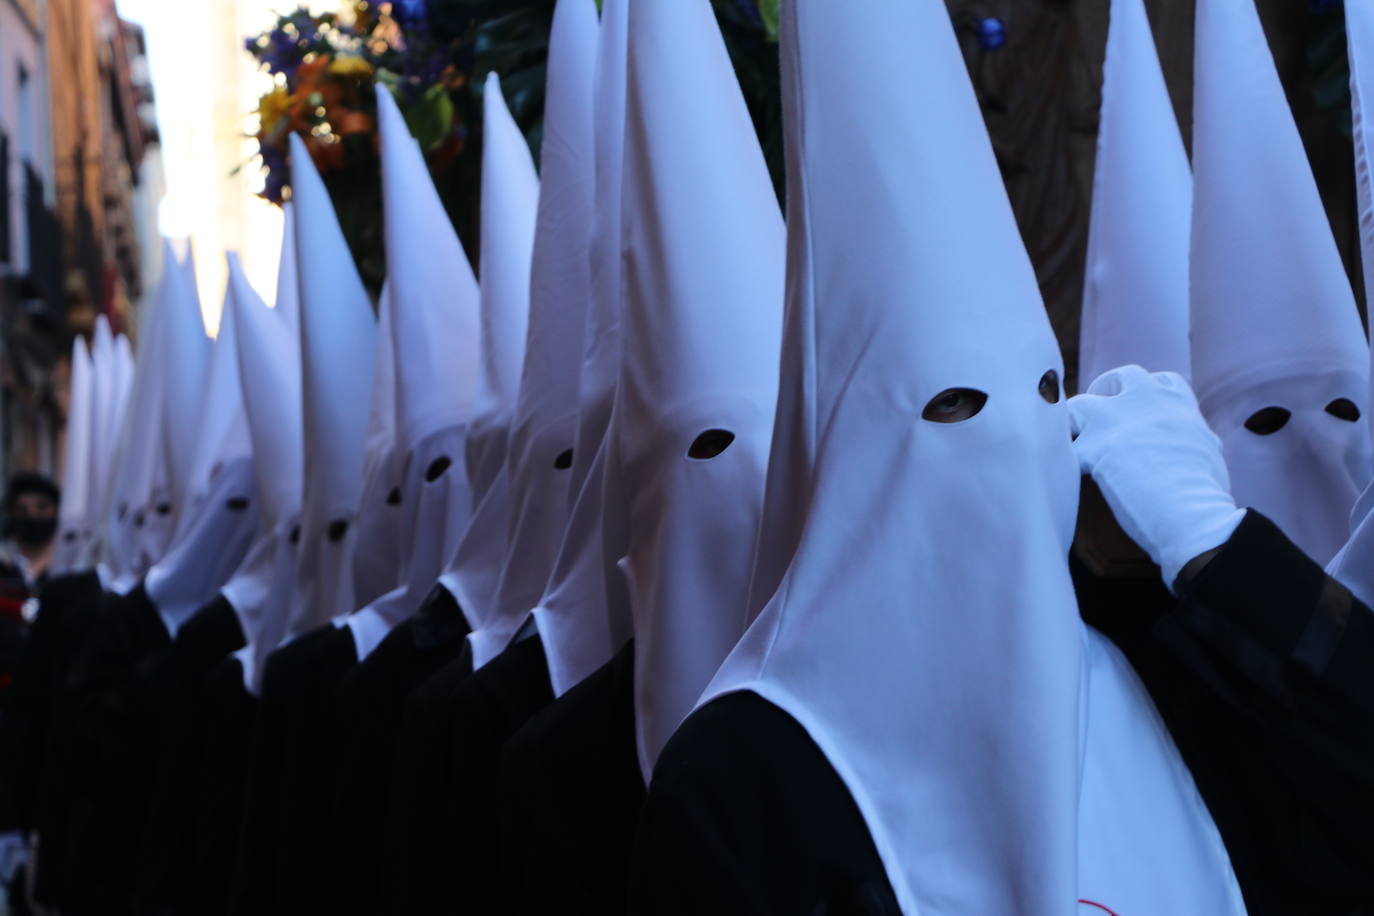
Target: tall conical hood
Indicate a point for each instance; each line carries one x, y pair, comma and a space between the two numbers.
141, 463
433, 315
186, 351
540, 451
510, 198
704, 269
943, 686
115, 539
601, 344
269, 374
1353, 565
72, 519
435, 321
222, 434
124, 369
217, 524
104, 382
377, 555
338, 333
1135, 292
1276, 339
584, 573
288, 301
261, 591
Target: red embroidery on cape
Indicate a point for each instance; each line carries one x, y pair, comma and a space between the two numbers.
1104, 909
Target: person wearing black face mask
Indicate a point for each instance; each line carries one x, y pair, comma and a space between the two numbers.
31, 521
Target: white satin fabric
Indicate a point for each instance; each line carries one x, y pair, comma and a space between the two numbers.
338, 336
926, 634
544, 426
262, 589
583, 616
704, 266
1274, 322
434, 314
510, 199
1135, 291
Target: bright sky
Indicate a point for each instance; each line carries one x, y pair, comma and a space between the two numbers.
205, 88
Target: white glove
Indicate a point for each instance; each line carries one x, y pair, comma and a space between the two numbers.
14, 852
1143, 440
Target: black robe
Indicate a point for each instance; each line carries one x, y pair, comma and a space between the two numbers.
201, 643
417, 823
1261, 669
67, 606
229, 714
100, 761
465, 729
372, 697
285, 859
31, 790
571, 791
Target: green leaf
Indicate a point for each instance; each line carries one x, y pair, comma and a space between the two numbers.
768, 12
431, 118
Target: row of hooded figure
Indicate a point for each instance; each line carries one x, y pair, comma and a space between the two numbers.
702, 562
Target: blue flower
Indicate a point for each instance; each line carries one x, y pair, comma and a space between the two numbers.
992, 34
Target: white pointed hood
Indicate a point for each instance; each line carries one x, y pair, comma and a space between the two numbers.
544, 428
1274, 323
434, 316
1135, 291
133, 542
113, 553
124, 369
575, 615
510, 198
222, 433
566, 204
338, 335
934, 652
269, 362
704, 269
288, 301
77, 458
186, 349
377, 554
216, 528
104, 383
1353, 565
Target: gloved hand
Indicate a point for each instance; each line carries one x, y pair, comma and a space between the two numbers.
14, 854
1143, 440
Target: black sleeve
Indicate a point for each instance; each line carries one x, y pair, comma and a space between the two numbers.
685, 864
67, 605
1266, 677
746, 815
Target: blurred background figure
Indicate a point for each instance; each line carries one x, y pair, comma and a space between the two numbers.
31, 502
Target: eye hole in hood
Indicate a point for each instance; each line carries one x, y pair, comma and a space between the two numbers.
1049, 387
710, 444
1343, 409
237, 504
564, 460
436, 468
1268, 420
954, 405
337, 529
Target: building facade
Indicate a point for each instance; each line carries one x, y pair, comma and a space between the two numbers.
76, 128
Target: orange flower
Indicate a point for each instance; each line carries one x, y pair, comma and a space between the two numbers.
352, 122
326, 151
